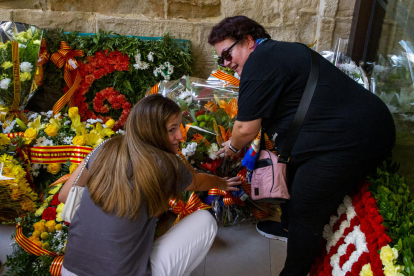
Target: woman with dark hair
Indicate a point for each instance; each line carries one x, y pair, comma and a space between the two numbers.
129, 181
346, 133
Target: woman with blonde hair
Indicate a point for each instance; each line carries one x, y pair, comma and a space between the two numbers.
129, 181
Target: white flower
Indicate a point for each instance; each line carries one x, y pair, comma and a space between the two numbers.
33, 116
42, 142
93, 121
137, 57
155, 73
141, 65
10, 127
22, 46
186, 96
150, 56
26, 67
212, 151
120, 132
4, 83
67, 140
189, 150
67, 123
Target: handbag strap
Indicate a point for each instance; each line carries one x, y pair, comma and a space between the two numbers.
86, 162
284, 156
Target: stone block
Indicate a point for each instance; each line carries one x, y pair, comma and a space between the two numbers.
328, 8
68, 21
342, 29
23, 4
6, 15
345, 8
284, 33
306, 23
150, 8
125, 25
324, 34
191, 9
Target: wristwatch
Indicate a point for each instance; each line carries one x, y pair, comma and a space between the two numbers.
233, 149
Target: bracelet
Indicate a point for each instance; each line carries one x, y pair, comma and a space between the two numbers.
233, 149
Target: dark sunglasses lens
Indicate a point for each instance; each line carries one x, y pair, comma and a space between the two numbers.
220, 61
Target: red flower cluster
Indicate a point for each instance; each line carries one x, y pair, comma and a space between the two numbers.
55, 201
95, 67
370, 222
49, 214
212, 166
116, 100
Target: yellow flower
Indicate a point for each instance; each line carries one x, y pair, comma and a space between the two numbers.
110, 123
6, 64
36, 234
16, 193
77, 125
40, 226
93, 139
3, 46
59, 218
55, 189
4, 140
73, 167
25, 76
79, 140
36, 241
103, 132
28, 205
39, 211
44, 235
55, 122
59, 208
30, 134
366, 271
36, 124
73, 112
48, 199
388, 254
50, 223
54, 168
51, 130
37, 42
58, 227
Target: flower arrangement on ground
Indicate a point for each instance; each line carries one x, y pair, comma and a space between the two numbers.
372, 231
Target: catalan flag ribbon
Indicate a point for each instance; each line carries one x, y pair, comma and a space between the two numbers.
30, 246
58, 154
193, 204
155, 89
226, 77
67, 57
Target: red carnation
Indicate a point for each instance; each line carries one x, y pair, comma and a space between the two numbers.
89, 79
49, 213
55, 201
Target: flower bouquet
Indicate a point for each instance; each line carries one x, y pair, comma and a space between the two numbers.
40, 238
19, 49
16, 194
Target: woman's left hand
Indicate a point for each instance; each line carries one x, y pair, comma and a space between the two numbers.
229, 183
226, 150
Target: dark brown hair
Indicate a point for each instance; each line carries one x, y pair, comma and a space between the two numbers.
236, 28
143, 156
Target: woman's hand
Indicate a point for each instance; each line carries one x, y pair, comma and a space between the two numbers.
227, 184
226, 150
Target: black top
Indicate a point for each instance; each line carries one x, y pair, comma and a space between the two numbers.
343, 116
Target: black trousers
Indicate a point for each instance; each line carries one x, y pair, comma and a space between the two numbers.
317, 187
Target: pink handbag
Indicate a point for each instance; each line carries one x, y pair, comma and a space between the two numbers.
269, 178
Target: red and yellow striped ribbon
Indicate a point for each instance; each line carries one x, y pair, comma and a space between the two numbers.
43, 58
14, 110
29, 246
63, 179
261, 214
67, 57
56, 267
58, 154
155, 89
15, 134
228, 198
226, 77
194, 203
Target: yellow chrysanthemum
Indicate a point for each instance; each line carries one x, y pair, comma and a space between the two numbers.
40, 226
28, 205
54, 168
39, 211
59, 208
51, 130
366, 271
59, 218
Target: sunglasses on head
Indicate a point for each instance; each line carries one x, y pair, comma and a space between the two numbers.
225, 55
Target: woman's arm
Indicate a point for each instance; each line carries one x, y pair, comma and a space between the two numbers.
243, 133
64, 192
205, 182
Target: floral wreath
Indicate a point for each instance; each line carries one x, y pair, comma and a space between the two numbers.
102, 64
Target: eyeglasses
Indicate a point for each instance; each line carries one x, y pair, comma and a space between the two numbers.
225, 55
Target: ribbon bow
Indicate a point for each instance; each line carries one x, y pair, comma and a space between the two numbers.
226, 77
44, 56
227, 200
193, 204
66, 57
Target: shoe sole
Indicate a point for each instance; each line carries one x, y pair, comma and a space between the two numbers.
270, 236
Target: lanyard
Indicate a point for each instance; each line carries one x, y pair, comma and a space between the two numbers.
258, 42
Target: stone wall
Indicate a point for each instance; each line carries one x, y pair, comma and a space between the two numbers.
290, 20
